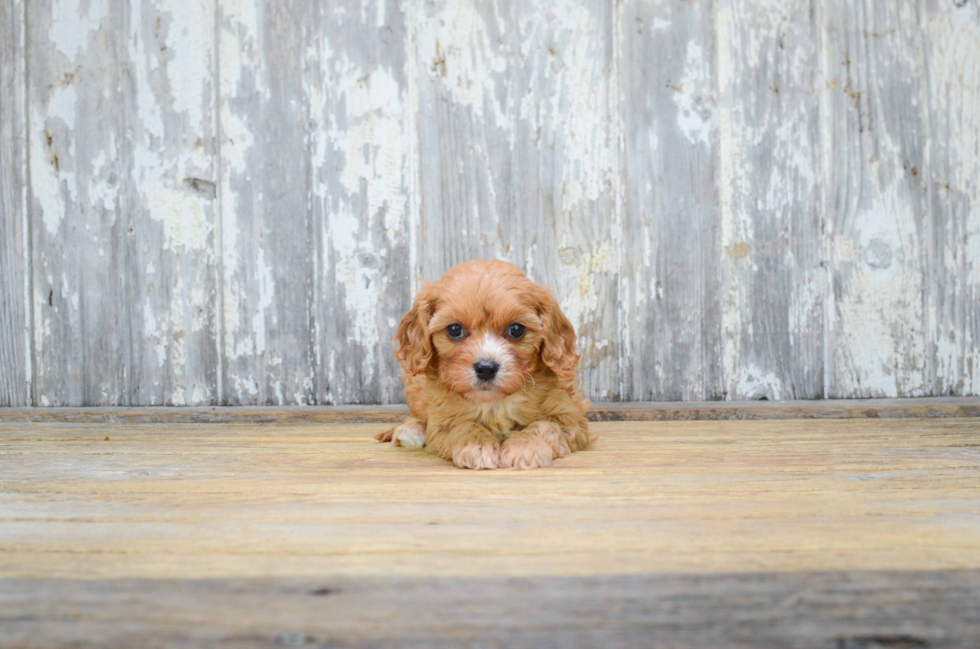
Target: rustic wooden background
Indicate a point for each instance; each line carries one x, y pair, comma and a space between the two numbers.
232, 201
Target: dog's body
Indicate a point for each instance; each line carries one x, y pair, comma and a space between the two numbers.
489, 367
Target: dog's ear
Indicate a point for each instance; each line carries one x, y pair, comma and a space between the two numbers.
413, 344
558, 349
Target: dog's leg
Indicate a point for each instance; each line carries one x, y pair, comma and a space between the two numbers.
410, 434
468, 444
534, 447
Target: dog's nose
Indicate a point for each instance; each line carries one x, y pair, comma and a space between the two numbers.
485, 370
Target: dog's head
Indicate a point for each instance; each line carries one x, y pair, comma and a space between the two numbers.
484, 331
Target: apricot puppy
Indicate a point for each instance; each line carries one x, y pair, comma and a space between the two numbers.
488, 362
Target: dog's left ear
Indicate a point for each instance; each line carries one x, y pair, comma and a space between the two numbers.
558, 349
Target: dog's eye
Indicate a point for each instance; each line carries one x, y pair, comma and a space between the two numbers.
455, 331
516, 331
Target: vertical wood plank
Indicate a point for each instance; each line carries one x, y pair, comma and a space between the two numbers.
122, 179
672, 244
15, 324
362, 155
772, 277
878, 220
268, 227
518, 155
952, 99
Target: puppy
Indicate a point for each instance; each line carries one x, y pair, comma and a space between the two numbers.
488, 362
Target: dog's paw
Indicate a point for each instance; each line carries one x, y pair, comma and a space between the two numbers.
525, 452
477, 454
411, 434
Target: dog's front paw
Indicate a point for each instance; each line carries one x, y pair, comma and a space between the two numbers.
525, 452
477, 454
411, 434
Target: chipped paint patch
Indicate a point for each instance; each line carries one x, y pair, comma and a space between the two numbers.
695, 99
74, 21
265, 285
463, 57
45, 179
185, 225
754, 383
878, 347
579, 293
359, 281
371, 144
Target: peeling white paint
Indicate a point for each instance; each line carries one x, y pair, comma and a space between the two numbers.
185, 224
695, 97
45, 181
754, 383
359, 282
580, 297
154, 333
103, 188
245, 386
953, 95
52, 179
877, 327
514, 80
189, 40
372, 143
768, 166
460, 52
74, 21
265, 284
730, 184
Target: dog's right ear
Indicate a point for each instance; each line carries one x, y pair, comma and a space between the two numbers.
414, 344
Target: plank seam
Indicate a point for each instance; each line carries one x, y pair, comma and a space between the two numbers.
823, 115
414, 152
28, 200
930, 306
315, 211
219, 320
618, 109
923, 408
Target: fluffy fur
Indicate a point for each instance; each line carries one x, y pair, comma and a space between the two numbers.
530, 413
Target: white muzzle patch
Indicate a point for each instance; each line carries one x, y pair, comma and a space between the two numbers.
493, 348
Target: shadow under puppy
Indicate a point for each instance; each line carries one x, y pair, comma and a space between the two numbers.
488, 362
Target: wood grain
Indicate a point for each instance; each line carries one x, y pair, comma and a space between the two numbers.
268, 225
246, 500
672, 236
122, 172
771, 275
951, 108
853, 610
315, 200
364, 162
877, 221
15, 318
775, 533
643, 411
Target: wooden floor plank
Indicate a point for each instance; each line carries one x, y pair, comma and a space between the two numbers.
795, 532
639, 411
849, 610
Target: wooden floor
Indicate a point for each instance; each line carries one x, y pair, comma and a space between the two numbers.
784, 533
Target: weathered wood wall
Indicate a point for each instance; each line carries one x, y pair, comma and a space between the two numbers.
232, 201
